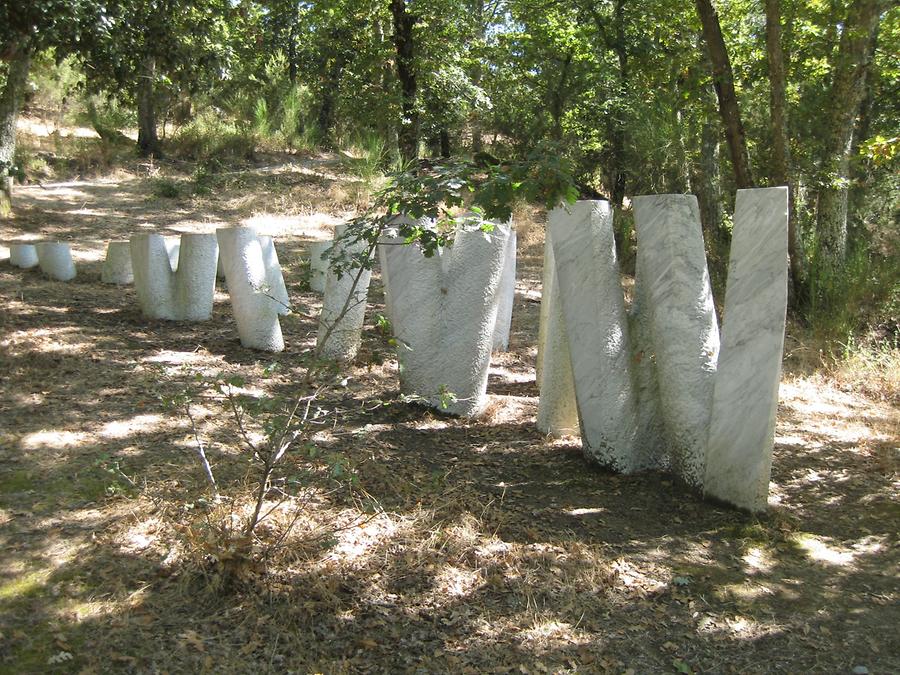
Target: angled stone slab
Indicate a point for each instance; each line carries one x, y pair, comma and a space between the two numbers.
23, 256
55, 259
344, 305
274, 275
154, 282
676, 290
507, 296
593, 307
557, 410
318, 266
745, 398
195, 277
255, 313
117, 265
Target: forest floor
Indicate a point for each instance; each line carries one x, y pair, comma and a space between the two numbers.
462, 546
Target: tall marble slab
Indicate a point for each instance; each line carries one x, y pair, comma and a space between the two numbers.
274, 276
444, 314
745, 397
55, 259
154, 283
318, 266
593, 307
557, 410
507, 296
682, 318
117, 265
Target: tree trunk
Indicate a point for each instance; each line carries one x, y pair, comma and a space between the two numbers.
708, 183
781, 150
406, 73
723, 80
847, 91
10, 103
148, 142
475, 119
558, 98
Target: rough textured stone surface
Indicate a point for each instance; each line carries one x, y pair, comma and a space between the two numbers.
55, 259
593, 307
117, 266
745, 398
344, 307
557, 411
274, 276
318, 266
507, 296
682, 319
23, 255
154, 282
445, 310
255, 313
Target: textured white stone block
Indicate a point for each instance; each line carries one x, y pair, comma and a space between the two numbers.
444, 313
344, 306
173, 248
154, 282
255, 313
507, 296
684, 332
195, 278
745, 398
23, 255
117, 266
55, 259
274, 275
557, 410
318, 266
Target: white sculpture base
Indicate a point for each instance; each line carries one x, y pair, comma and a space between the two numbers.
55, 259
23, 255
117, 266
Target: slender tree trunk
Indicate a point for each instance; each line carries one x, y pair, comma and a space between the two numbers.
708, 183
10, 102
475, 119
558, 98
847, 91
723, 80
781, 149
148, 141
404, 45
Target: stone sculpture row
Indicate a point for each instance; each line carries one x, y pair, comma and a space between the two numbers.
652, 388
53, 257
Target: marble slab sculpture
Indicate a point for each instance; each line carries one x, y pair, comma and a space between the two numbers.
318, 266
557, 411
274, 275
344, 305
444, 315
185, 294
745, 395
117, 265
593, 308
23, 255
507, 296
55, 259
682, 318
255, 313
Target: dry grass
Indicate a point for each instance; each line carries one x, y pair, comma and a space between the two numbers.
463, 546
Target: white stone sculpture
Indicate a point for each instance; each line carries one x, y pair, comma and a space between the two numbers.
745, 396
255, 313
444, 313
55, 259
557, 410
274, 276
318, 266
173, 248
117, 266
507, 296
344, 305
186, 294
682, 317
23, 255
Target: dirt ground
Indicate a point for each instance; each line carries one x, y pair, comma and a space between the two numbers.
463, 547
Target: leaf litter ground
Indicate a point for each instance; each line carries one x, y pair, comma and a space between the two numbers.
466, 547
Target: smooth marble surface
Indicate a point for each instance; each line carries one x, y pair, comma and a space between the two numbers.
117, 265
55, 259
684, 332
557, 410
745, 398
23, 256
274, 276
255, 313
154, 282
593, 308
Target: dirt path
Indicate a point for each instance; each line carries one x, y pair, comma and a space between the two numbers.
496, 550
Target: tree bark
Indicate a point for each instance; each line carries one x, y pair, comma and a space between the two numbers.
148, 142
723, 80
404, 45
781, 150
10, 102
847, 91
708, 184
